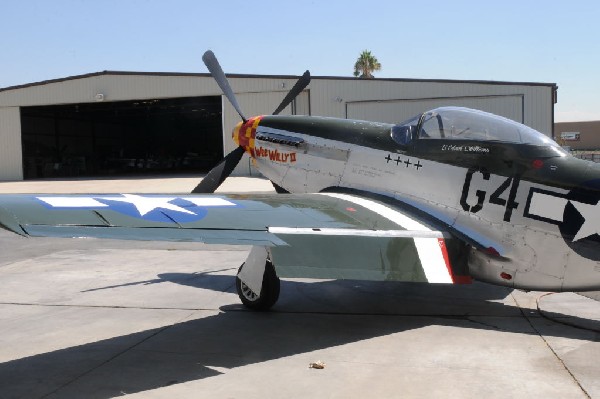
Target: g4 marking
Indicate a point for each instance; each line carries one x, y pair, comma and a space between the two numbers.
480, 194
495, 198
511, 203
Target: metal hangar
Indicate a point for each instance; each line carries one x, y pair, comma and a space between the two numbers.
118, 123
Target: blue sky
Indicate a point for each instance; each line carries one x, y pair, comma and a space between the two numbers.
530, 41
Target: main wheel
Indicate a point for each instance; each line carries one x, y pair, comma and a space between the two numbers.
268, 295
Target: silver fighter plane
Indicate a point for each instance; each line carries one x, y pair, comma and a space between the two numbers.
451, 195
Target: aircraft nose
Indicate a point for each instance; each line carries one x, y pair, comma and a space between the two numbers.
592, 176
244, 133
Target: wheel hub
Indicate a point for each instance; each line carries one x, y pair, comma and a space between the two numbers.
248, 293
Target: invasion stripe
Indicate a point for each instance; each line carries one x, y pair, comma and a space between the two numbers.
208, 201
356, 232
432, 254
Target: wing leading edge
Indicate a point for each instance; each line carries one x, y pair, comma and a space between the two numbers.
327, 235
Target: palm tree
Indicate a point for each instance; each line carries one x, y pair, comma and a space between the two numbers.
365, 64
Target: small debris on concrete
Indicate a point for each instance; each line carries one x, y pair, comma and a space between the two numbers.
317, 365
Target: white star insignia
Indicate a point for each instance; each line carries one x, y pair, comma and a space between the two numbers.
145, 205
591, 214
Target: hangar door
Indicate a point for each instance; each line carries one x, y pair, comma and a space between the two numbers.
152, 136
396, 111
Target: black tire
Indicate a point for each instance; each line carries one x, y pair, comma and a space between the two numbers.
269, 293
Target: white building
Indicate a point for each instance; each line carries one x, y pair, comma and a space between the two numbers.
111, 123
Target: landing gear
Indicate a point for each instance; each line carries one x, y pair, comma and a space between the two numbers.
268, 294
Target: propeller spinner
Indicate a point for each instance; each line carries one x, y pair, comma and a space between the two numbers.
219, 173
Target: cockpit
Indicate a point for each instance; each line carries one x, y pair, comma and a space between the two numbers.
457, 123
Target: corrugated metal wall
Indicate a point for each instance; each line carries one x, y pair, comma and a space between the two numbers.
383, 100
132, 87
329, 97
11, 161
395, 111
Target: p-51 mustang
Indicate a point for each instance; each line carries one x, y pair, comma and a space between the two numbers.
451, 195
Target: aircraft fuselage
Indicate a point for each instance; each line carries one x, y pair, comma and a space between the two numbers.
530, 213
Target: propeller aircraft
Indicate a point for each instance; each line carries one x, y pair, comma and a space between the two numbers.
451, 195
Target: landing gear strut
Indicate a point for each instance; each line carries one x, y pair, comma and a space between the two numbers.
269, 292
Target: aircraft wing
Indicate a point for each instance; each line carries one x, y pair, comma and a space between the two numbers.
328, 235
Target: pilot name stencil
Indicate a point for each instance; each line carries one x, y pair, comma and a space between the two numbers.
465, 148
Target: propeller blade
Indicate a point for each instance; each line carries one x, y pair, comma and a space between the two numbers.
215, 177
217, 73
297, 89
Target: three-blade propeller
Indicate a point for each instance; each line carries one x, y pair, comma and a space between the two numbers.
219, 173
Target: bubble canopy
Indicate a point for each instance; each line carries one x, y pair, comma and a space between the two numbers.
457, 123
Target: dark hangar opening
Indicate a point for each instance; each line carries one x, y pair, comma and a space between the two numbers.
176, 135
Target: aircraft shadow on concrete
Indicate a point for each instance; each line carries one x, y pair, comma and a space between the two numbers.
352, 296
307, 318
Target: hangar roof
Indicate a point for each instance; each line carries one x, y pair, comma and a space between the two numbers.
379, 99
251, 76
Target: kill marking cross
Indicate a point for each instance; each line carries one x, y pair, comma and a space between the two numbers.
407, 162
